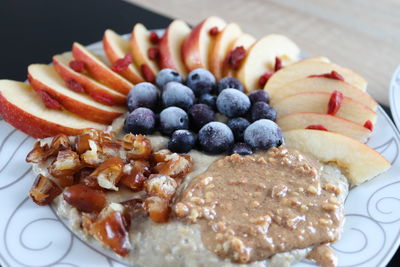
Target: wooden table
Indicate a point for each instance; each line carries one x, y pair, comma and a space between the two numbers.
363, 35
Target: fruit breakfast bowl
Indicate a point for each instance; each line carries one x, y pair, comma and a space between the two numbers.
372, 227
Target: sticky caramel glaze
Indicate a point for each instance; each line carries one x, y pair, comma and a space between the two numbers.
252, 207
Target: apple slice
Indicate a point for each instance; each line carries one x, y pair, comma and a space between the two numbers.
170, 46
44, 77
92, 87
261, 58
196, 47
302, 120
98, 69
221, 47
318, 102
358, 161
245, 40
115, 47
305, 68
140, 45
320, 84
21, 107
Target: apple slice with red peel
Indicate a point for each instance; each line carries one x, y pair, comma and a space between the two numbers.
115, 47
99, 70
321, 84
170, 47
358, 162
261, 56
302, 120
318, 102
221, 47
307, 67
140, 44
91, 86
245, 41
196, 47
45, 77
21, 107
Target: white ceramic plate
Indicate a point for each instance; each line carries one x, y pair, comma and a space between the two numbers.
34, 236
394, 96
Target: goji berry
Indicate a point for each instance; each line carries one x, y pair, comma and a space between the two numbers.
154, 39
76, 65
147, 73
236, 56
48, 100
153, 53
335, 102
214, 31
74, 85
368, 124
122, 64
316, 127
330, 75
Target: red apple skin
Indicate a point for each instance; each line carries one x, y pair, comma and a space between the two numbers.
166, 61
81, 109
31, 125
90, 87
112, 56
191, 49
101, 72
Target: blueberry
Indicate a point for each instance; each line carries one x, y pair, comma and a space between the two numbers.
263, 134
182, 141
209, 100
179, 95
262, 110
229, 82
201, 81
140, 121
172, 119
233, 103
241, 149
167, 75
259, 96
142, 95
215, 137
238, 125
200, 114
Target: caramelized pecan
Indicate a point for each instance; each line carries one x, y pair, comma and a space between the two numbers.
66, 164
109, 173
44, 190
157, 208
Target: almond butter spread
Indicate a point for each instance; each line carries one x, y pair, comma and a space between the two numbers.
252, 207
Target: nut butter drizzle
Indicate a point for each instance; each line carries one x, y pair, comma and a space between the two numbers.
250, 208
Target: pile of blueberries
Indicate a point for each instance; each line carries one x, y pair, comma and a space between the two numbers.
201, 113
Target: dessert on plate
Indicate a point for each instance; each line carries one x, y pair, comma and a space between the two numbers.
197, 147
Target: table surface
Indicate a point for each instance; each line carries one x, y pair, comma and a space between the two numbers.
33, 31
363, 35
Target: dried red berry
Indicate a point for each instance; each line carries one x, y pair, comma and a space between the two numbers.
330, 75
48, 100
122, 64
317, 127
76, 65
368, 124
335, 102
278, 63
147, 73
74, 85
214, 31
103, 98
236, 56
154, 39
153, 53
265, 77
